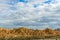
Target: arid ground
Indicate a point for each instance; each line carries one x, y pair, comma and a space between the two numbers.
25, 33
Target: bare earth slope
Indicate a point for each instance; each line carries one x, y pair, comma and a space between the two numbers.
25, 32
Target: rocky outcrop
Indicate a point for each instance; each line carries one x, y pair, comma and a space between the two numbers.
25, 32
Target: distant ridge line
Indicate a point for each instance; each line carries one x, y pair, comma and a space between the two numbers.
22, 31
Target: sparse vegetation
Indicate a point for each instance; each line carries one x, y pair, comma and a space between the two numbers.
29, 38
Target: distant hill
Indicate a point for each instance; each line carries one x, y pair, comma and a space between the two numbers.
25, 32
58, 29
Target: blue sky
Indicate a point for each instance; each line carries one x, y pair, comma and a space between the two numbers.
36, 14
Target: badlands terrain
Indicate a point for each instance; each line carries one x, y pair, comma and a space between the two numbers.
24, 33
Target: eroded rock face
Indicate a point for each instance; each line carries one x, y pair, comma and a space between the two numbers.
27, 32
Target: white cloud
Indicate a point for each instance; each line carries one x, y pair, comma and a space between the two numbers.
26, 12
31, 12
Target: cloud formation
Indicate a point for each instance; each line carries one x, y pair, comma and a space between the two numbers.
39, 13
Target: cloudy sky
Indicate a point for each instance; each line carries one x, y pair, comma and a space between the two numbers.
36, 14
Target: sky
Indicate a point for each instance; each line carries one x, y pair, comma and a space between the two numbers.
35, 14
